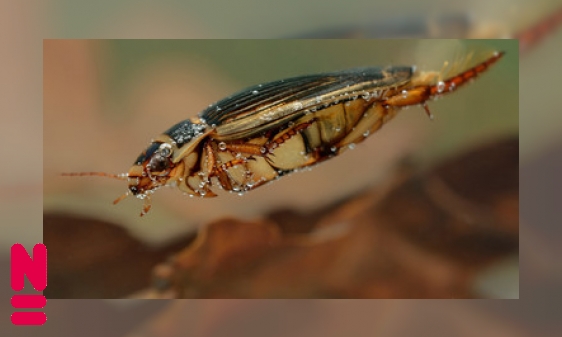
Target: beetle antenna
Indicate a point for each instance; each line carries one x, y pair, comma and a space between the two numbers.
121, 176
116, 201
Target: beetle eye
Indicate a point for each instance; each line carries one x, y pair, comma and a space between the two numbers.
158, 164
165, 152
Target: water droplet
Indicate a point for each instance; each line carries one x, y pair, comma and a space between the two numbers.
255, 92
222, 146
404, 93
263, 150
202, 193
366, 95
366, 133
337, 129
440, 86
333, 149
351, 146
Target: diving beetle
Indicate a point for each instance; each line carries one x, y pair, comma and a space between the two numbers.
269, 130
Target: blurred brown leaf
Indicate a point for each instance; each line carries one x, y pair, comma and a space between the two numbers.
110, 263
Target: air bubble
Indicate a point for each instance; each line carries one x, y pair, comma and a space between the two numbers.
255, 92
366, 133
404, 93
333, 149
351, 146
222, 146
440, 86
263, 150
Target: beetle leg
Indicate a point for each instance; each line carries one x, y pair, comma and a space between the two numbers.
268, 147
246, 148
146, 206
211, 158
285, 136
221, 169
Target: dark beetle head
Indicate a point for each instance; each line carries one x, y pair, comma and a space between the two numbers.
151, 170
162, 162
167, 161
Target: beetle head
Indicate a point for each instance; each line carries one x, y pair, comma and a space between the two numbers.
151, 170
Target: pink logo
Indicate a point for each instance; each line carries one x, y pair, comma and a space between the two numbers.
36, 270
